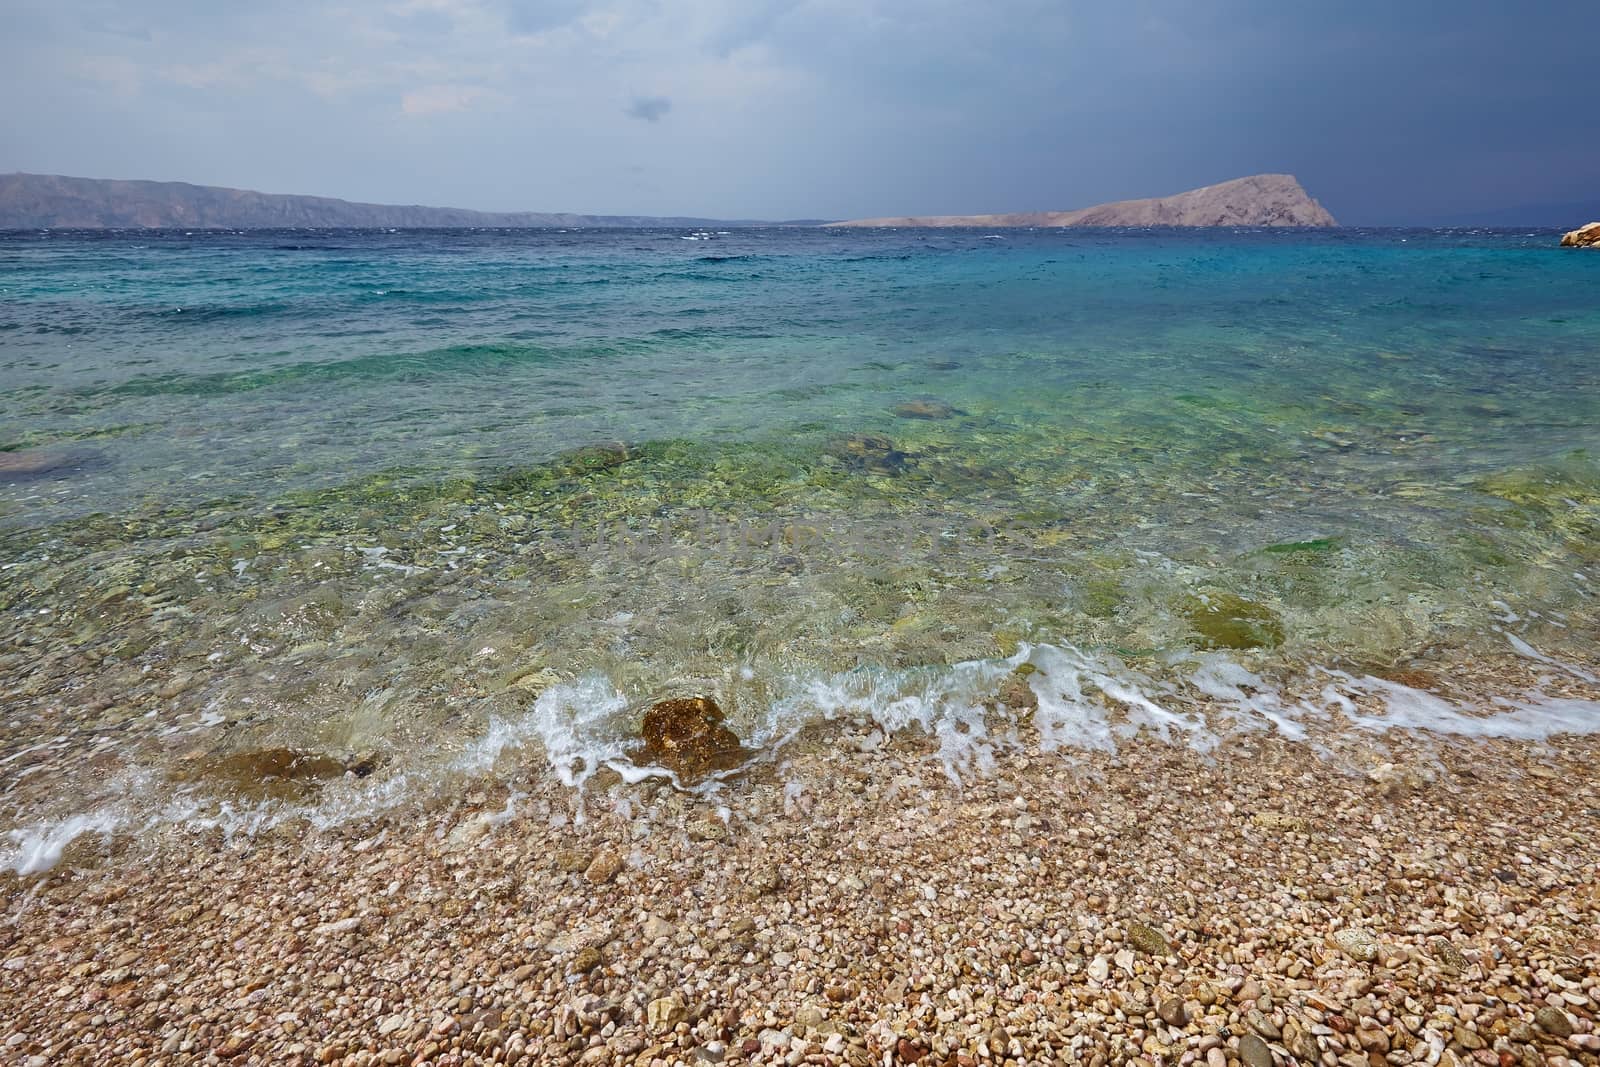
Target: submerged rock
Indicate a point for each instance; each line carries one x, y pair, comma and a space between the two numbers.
591, 459
871, 453
1227, 621
605, 866
277, 773
30, 464
687, 736
1583, 237
925, 408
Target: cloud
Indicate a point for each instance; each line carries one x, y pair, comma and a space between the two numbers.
648, 108
441, 99
540, 16
924, 106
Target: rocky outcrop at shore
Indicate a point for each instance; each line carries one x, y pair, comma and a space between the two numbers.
1259, 200
1583, 237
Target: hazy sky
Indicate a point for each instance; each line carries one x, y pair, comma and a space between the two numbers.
1388, 111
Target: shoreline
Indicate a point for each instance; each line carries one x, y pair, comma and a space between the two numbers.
1056, 701
1152, 904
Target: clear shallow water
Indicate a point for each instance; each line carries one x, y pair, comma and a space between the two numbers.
406, 498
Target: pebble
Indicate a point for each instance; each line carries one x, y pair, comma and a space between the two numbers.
1358, 943
1254, 1051
605, 866
1553, 1021
1148, 939
1262, 1024
664, 1013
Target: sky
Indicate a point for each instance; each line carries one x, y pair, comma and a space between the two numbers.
1390, 113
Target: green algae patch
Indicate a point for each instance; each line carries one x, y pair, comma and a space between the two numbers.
1100, 596
1319, 545
1572, 479
1223, 620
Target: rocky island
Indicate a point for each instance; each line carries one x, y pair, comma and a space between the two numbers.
1259, 200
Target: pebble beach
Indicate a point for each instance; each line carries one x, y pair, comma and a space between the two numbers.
1355, 899
799, 646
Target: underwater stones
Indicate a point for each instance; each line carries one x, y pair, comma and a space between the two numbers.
925, 408
1017, 694
687, 736
605, 867
1552, 488
1583, 237
870, 453
570, 860
1411, 678
1224, 620
592, 459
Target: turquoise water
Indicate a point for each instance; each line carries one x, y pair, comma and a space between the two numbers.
388, 496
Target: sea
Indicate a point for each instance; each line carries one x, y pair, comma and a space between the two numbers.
311, 524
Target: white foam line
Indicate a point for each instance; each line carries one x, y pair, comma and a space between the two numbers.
39, 847
1086, 701
1531, 717
1527, 651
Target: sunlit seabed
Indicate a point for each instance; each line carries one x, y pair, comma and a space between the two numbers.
420, 503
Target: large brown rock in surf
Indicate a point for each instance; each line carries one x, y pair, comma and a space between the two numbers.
1583, 237
688, 736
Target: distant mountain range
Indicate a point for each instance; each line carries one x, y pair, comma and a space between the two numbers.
1259, 200
52, 201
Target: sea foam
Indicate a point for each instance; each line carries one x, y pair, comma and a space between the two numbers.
1085, 702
